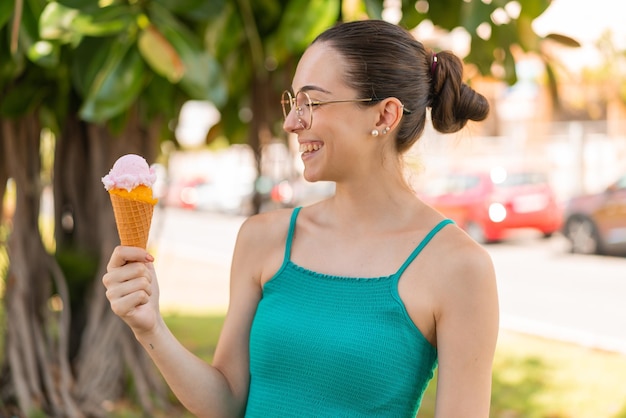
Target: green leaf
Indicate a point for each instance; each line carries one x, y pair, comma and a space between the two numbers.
44, 53
25, 95
510, 70
203, 78
374, 8
564, 40
444, 13
82, 5
410, 16
474, 14
481, 54
197, 10
68, 25
6, 11
116, 86
227, 22
160, 97
89, 58
10, 66
19, 101
35, 6
28, 31
160, 54
55, 23
240, 73
527, 38
534, 8
303, 20
266, 15
106, 21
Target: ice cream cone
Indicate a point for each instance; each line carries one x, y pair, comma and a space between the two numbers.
129, 184
133, 219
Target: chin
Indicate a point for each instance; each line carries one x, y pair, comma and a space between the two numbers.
308, 175
312, 177
309, 178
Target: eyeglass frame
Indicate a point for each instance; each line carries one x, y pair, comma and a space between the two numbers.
311, 103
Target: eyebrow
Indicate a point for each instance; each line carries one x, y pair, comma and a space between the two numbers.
313, 88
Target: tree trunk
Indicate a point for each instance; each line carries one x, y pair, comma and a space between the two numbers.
265, 107
36, 372
74, 358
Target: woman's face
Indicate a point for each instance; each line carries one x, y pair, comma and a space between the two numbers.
335, 144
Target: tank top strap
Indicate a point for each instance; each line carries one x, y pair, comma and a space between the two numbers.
421, 246
292, 228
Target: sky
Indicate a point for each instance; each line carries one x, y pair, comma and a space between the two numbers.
584, 20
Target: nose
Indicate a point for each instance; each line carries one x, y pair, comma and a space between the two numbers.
292, 122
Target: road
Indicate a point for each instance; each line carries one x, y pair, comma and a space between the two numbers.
543, 289
546, 291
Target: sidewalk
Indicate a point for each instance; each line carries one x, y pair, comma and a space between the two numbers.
190, 286
193, 271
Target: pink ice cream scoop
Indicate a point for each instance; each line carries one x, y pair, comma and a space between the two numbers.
128, 172
129, 184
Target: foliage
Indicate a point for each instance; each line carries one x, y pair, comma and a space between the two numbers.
113, 57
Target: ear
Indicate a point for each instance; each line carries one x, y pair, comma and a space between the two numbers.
390, 113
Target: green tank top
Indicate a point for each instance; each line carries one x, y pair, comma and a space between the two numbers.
332, 346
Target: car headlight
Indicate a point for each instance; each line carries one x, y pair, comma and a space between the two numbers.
189, 195
497, 212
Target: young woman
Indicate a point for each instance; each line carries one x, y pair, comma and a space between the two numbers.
344, 308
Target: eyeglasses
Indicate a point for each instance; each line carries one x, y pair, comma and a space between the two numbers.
304, 105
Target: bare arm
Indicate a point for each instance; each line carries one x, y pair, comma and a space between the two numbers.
219, 390
467, 330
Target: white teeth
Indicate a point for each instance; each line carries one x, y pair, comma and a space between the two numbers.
308, 147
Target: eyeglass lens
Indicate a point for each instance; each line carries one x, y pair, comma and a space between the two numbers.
302, 103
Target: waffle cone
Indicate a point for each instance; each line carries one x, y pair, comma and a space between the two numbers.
133, 219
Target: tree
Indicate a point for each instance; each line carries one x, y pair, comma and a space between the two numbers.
107, 78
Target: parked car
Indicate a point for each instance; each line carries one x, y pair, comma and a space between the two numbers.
596, 223
488, 204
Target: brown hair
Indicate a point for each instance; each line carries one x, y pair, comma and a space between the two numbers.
385, 60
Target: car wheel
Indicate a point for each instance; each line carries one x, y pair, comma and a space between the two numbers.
476, 232
583, 236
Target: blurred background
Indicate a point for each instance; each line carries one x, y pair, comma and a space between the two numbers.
194, 87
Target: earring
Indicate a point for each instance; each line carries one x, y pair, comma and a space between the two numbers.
385, 130
375, 132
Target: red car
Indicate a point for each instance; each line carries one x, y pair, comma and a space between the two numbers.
489, 204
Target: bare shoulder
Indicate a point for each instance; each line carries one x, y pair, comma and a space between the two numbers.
467, 260
261, 243
265, 227
466, 270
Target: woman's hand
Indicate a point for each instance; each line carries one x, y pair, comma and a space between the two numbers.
132, 288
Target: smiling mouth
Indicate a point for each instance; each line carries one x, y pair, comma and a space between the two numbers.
309, 147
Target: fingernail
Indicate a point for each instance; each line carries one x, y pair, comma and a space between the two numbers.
149, 258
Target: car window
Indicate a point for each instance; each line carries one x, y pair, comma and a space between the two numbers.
521, 179
452, 184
